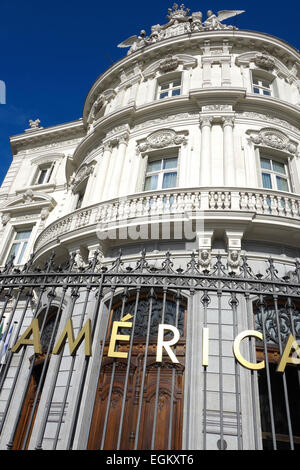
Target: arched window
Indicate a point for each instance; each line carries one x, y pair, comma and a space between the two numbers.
150, 393
278, 393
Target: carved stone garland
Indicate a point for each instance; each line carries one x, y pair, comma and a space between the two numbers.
161, 139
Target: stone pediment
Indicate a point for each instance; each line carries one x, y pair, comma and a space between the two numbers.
265, 61
29, 201
273, 138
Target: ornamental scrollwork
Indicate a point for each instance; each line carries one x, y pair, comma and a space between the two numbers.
83, 173
274, 139
161, 139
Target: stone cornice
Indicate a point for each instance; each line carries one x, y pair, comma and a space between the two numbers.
47, 135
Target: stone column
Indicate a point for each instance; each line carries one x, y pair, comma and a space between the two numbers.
205, 158
228, 158
119, 164
102, 171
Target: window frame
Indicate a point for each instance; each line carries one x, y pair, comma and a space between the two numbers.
273, 173
162, 171
20, 253
261, 76
170, 90
49, 172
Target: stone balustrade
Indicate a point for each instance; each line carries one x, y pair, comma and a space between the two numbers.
173, 202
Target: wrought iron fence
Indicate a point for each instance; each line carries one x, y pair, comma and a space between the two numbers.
152, 295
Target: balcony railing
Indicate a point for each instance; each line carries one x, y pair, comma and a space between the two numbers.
173, 202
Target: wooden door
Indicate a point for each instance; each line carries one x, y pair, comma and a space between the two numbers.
161, 395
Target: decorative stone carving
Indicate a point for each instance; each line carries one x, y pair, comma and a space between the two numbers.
213, 22
204, 260
264, 61
28, 196
5, 218
101, 101
84, 172
274, 139
233, 260
180, 23
217, 107
44, 213
161, 139
34, 125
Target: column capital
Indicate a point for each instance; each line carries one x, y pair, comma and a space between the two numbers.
227, 121
206, 121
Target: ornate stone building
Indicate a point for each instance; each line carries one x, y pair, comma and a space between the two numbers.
188, 146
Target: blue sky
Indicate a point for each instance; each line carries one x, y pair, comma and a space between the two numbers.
52, 52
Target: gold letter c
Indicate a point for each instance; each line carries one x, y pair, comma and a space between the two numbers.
236, 350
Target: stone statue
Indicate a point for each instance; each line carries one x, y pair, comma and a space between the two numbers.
135, 42
180, 23
214, 21
204, 260
34, 124
233, 261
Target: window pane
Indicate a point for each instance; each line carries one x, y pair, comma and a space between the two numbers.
255, 81
42, 176
23, 235
256, 90
177, 83
265, 163
282, 184
163, 95
19, 260
266, 84
279, 167
169, 180
164, 86
176, 92
266, 180
154, 166
151, 183
268, 93
12, 251
170, 163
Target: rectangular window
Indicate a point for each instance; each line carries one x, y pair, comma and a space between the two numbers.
261, 86
19, 246
161, 174
274, 174
44, 174
169, 89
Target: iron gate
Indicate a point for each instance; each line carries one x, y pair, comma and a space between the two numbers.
272, 306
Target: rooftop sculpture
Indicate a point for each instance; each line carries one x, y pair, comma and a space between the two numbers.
180, 23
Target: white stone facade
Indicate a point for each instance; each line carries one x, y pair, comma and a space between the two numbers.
233, 120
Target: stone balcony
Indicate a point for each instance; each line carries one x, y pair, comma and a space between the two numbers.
252, 209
